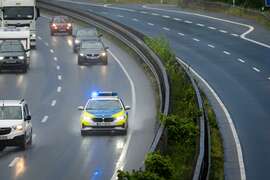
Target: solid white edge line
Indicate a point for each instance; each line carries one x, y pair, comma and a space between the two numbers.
44, 119
243, 36
13, 162
120, 163
230, 121
256, 69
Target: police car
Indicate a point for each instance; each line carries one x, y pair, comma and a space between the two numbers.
104, 111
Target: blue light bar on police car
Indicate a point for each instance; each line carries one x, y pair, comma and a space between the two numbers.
95, 94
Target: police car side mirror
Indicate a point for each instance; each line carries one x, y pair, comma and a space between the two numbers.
38, 13
80, 108
127, 108
28, 118
27, 50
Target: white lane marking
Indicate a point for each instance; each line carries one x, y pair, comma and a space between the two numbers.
166, 16
195, 39
243, 36
177, 19
121, 161
210, 45
53, 103
235, 35
213, 28
55, 59
201, 25
44, 119
226, 52
223, 31
143, 12
119, 15
150, 24
155, 14
39, 38
256, 69
51, 50
188, 22
268, 78
241, 60
59, 89
181, 34
230, 121
59, 77
46, 44
34, 137
134, 19
166, 29
58, 67
13, 162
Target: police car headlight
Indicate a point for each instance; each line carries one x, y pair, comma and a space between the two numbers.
1, 58
81, 54
86, 118
103, 54
18, 127
77, 41
33, 35
120, 118
21, 57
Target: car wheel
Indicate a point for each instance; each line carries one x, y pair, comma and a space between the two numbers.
2, 147
23, 144
31, 139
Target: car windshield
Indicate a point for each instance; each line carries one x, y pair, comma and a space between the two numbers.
10, 46
104, 105
18, 13
60, 20
10, 113
91, 45
89, 32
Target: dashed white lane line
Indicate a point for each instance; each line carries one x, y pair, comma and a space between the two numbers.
13, 162
177, 19
134, 19
143, 12
53, 103
51, 50
188, 22
44, 119
241, 60
235, 35
59, 89
195, 39
46, 44
59, 77
55, 59
58, 67
226, 52
256, 69
39, 38
213, 28
166, 16
181, 34
210, 45
119, 15
155, 14
166, 29
150, 24
201, 25
268, 78
223, 31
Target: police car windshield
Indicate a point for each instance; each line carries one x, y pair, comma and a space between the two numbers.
91, 45
104, 105
18, 13
85, 33
10, 47
10, 113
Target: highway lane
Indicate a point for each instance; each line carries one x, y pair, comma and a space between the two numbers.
237, 70
54, 87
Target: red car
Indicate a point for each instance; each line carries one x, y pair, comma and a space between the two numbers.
60, 24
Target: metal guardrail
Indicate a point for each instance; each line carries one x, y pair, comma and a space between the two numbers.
131, 38
135, 41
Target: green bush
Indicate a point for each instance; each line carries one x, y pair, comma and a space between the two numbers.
160, 165
138, 175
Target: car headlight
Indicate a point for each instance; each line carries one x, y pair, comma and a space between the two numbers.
120, 118
77, 41
21, 57
103, 54
1, 58
86, 118
69, 24
81, 54
18, 127
33, 35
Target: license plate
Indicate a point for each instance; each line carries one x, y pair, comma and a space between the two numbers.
103, 124
3, 137
11, 61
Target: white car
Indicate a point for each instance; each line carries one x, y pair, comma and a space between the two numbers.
15, 124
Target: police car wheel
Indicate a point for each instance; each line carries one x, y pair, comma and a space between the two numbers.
31, 139
2, 147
